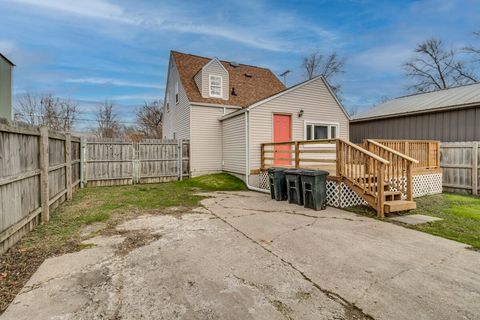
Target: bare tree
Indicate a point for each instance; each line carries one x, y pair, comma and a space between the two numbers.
315, 64
48, 110
107, 123
149, 119
434, 68
474, 50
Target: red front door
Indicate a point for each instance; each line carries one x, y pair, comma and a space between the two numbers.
282, 132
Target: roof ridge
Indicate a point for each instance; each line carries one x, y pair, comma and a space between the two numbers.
433, 91
226, 61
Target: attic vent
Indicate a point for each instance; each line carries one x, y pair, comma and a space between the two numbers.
248, 75
234, 64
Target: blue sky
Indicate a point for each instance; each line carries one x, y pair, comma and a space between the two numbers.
92, 50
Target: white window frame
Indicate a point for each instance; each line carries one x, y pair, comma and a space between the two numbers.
176, 93
210, 86
321, 123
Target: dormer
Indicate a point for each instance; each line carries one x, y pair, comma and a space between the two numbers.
212, 80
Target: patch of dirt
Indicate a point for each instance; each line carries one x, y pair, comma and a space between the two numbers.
134, 240
18, 264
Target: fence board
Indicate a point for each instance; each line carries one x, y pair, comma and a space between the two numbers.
117, 162
460, 166
20, 174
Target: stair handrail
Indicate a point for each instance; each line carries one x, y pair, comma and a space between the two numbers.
409, 167
365, 151
402, 155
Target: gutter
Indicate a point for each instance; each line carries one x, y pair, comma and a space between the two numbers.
247, 153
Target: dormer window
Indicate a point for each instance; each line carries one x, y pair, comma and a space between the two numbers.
215, 86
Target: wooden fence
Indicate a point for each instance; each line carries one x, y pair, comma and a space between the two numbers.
118, 162
460, 162
39, 169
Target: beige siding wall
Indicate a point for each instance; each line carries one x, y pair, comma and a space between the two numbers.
5, 89
234, 144
198, 81
206, 140
214, 68
177, 118
313, 98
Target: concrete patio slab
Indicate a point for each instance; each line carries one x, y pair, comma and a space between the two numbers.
244, 256
415, 219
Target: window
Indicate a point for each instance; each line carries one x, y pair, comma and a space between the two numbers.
176, 92
215, 85
167, 102
316, 131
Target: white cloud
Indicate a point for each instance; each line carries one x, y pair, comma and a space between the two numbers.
90, 8
114, 82
7, 46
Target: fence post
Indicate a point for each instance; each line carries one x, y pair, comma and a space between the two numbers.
338, 163
68, 165
180, 160
475, 168
83, 176
44, 164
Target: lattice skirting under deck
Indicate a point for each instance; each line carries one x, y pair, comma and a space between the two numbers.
340, 195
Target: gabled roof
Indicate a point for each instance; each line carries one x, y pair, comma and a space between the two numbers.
458, 97
287, 90
6, 59
262, 83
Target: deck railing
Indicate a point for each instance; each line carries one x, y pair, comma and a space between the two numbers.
399, 171
299, 154
426, 152
361, 169
364, 172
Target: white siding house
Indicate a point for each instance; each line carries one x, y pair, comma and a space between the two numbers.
227, 110
6, 67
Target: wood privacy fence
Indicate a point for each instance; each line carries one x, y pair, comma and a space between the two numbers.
118, 162
460, 162
38, 170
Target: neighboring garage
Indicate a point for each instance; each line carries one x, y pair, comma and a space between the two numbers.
450, 115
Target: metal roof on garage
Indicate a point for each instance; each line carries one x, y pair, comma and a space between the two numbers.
463, 96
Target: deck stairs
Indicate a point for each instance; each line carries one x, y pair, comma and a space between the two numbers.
379, 175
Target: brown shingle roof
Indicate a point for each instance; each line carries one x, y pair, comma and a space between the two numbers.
249, 90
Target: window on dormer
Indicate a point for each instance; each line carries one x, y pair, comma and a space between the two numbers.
215, 86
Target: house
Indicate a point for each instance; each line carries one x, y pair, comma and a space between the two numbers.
449, 115
227, 110
6, 67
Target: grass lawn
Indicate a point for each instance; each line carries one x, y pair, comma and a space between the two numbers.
460, 214
106, 206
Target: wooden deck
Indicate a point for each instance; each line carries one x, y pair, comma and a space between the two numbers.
372, 169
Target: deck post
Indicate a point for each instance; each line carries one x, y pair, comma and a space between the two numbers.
380, 190
262, 156
338, 159
475, 168
297, 155
409, 181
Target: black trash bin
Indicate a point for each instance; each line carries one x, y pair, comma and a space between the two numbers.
314, 188
278, 185
294, 186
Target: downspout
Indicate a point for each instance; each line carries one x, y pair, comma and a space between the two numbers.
247, 153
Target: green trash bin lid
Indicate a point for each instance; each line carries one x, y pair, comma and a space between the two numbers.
276, 169
294, 171
315, 173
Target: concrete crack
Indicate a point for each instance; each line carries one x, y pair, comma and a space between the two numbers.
350, 308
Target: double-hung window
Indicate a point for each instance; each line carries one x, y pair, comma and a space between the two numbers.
316, 131
215, 86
